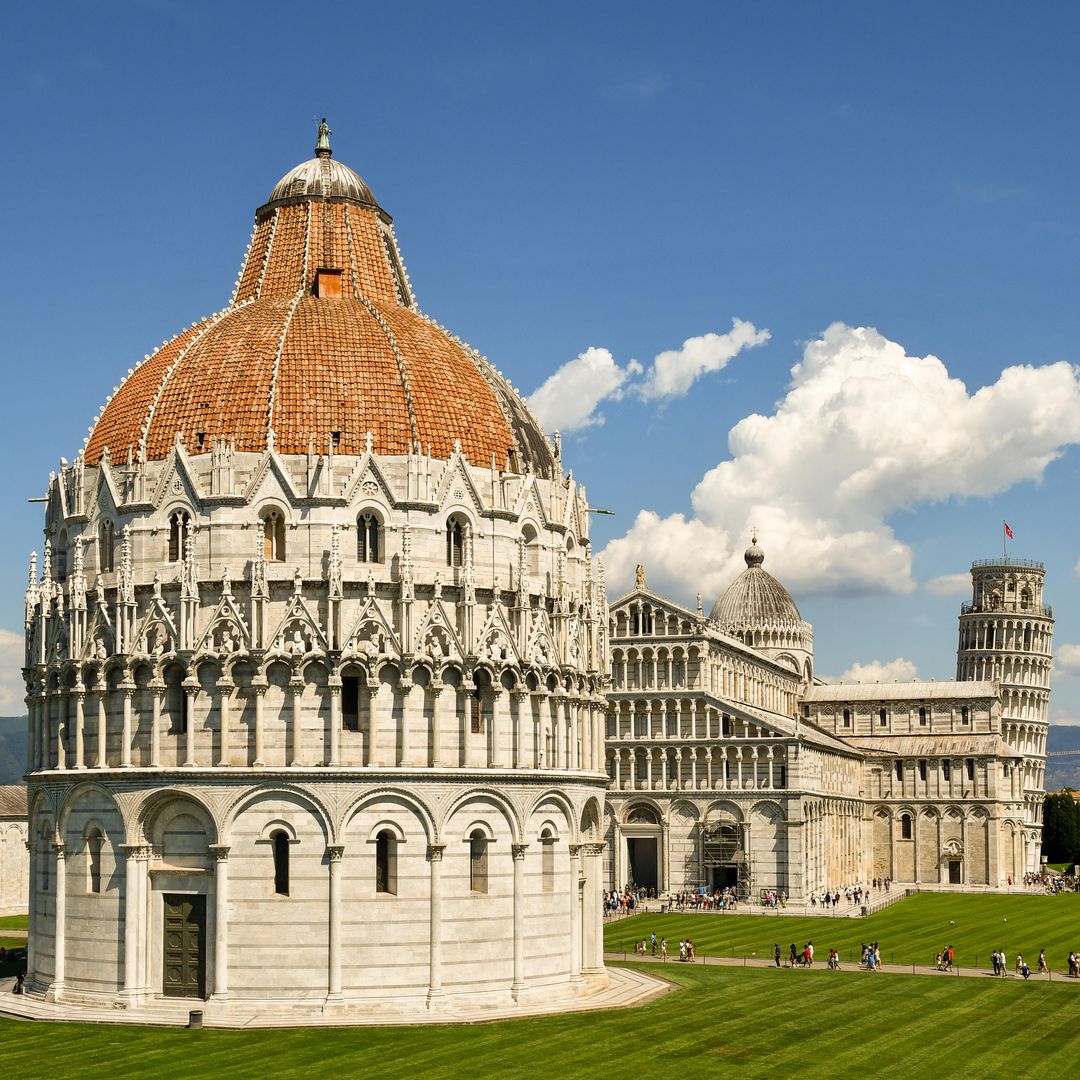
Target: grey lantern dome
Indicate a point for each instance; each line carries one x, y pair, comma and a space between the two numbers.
755, 598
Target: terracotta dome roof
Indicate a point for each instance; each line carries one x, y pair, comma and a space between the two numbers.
322, 341
755, 598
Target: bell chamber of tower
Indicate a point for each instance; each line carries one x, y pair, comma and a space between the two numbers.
316, 656
1006, 636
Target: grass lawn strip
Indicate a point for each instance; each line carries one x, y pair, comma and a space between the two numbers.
910, 932
14, 922
756, 1022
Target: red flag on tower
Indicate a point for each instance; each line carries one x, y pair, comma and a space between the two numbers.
1008, 531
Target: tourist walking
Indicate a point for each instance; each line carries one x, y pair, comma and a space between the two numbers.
776, 953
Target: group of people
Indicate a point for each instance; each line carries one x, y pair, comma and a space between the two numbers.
772, 899
623, 903
871, 956
945, 958
1001, 964
718, 900
796, 957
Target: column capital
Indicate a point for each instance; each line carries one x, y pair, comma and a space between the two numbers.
137, 852
518, 851
335, 852
61, 849
575, 850
221, 852
593, 849
435, 852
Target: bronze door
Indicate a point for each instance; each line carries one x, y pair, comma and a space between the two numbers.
184, 952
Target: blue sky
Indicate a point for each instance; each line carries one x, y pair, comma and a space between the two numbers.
622, 178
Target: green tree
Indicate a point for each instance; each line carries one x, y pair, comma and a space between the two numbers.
1061, 827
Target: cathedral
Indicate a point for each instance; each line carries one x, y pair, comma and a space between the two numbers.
732, 766
328, 711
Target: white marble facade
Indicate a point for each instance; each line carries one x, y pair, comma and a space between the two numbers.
14, 859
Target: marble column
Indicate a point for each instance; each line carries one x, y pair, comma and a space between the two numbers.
593, 909
102, 725
334, 686
334, 853
438, 698
518, 853
221, 921
80, 696
259, 689
435, 990
374, 751
296, 703
125, 749
135, 861
524, 725
157, 688
575, 914
31, 922
224, 689
191, 697
59, 924
410, 727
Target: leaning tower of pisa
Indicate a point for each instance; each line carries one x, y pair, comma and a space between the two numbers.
1006, 633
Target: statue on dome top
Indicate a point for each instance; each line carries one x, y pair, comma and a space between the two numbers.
322, 143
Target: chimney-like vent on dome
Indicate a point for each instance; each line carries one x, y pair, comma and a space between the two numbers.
327, 283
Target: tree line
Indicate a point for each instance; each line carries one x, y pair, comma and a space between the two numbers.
1061, 828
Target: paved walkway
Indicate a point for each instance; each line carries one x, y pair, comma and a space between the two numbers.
626, 988
821, 965
18, 935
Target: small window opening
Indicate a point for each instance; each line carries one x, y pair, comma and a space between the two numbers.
106, 546
280, 842
455, 542
547, 859
200, 439
327, 283
946, 770
965, 716
969, 764
335, 439
783, 776
847, 718
922, 716
478, 862
883, 718
367, 538
806, 712
350, 702
905, 826
94, 845
386, 862
273, 525
900, 771
179, 524
476, 715
922, 770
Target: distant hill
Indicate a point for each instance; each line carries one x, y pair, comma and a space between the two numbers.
12, 749
1063, 772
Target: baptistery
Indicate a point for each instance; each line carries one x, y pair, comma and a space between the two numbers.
314, 659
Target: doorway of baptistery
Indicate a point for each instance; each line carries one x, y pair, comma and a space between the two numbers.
641, 851
955, 877
184, 945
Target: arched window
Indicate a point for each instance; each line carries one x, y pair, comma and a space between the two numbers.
176, 700
965, 716
280, 843
368, 548
455, 541
847, 718
179, 524
905, 826
94, 843
547, 861
532, 549
273, 526
106, 545
883, 717
478, 862
386, 862
61, 558
1025, 598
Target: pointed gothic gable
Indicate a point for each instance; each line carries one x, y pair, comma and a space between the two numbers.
368, 481
456, 487
100, 642
58, 641
271, 479
530, 503
495, 642
437, 637
541, 649
227, 631
299, 631
156, 633
372, 633
106, 497
178, 479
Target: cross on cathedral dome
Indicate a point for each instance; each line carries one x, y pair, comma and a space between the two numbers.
322, 342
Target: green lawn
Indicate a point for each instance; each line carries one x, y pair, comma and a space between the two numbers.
752, 1023
911, 931
14, 922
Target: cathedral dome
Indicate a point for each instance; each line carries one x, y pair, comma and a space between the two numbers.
755, 597
322, 344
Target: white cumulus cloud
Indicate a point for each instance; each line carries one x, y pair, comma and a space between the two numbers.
1067, 660
898, 670
12, 690
949, 585
674, 371
568, 399
864, 431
